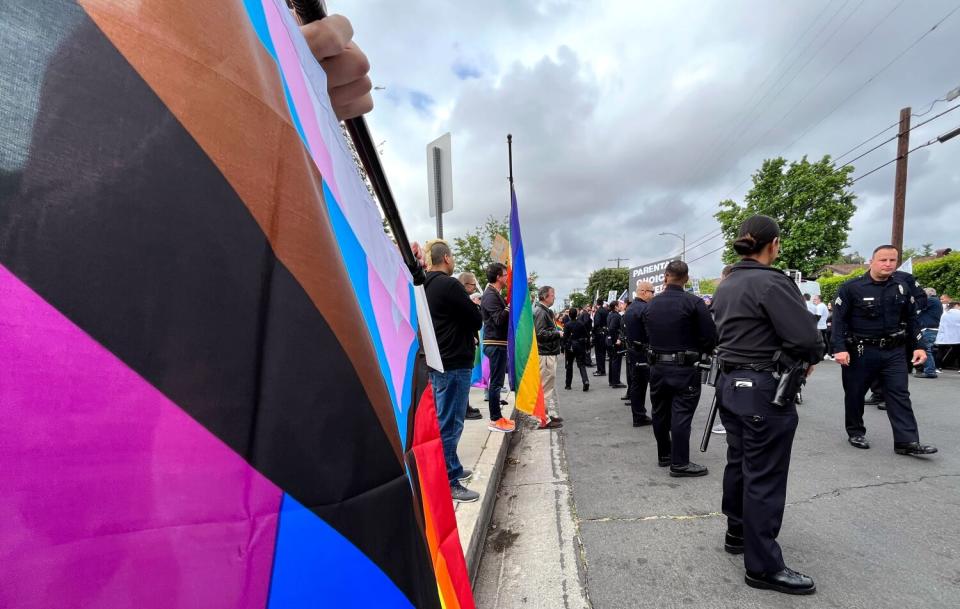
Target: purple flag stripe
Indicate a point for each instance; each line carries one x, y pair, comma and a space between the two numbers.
118, 499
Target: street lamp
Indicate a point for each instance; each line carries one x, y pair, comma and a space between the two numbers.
683, 239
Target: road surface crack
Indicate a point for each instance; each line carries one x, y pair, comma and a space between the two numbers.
837, 491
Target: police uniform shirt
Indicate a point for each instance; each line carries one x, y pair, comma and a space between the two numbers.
613, 326
574, 333
676, 321
633, 323
584, 318
866, 308
600, 319
754, 292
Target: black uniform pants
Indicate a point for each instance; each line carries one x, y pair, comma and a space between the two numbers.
890, 367
674, 395
638, 377
616, 361
600, 348
578, 356
759, 442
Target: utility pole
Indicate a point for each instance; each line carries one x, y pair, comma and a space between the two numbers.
617, 260
900, 183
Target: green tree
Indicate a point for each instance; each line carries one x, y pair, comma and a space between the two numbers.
909, 252
926, 249
811, 202
579, 299
605, 280
851, 258
472, 251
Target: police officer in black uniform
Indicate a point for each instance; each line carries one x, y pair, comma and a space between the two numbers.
638, 369
587, 322
874, 326
765, 329
600, 338
615, 344
576, 339
681, 330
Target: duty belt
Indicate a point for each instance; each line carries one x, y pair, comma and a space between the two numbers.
884, 342
728, 367
680, 358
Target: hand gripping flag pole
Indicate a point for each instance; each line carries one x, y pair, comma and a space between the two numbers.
309, 11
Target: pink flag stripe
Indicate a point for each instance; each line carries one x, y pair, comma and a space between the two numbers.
112, 495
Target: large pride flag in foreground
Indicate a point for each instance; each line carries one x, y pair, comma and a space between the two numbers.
522, 337
193, 414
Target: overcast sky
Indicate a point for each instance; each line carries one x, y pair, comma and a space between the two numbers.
634, 118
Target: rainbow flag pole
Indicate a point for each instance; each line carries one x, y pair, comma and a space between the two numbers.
522, 338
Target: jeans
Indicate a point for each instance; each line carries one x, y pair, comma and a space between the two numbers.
451, 390
498, 369
926, 342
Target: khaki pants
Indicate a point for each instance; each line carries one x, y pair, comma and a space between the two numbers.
548, 378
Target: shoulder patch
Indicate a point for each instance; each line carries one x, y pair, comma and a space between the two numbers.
838, 301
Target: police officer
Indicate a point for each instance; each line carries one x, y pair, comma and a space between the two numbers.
615, 343
764, 326
600, 338
587, 322
575, 342
874, 318
638, 370
680, 330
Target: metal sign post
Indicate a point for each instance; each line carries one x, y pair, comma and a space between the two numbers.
439, 179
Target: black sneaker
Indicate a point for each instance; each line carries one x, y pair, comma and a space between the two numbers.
462, 494
473, 413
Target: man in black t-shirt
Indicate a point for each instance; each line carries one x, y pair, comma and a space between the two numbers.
456, 321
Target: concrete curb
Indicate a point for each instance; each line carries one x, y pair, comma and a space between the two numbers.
473, 519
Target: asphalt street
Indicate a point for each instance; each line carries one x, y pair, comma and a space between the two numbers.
873, 528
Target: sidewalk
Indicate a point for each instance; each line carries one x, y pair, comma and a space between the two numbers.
482, 451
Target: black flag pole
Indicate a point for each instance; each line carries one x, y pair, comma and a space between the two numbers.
309, 11
510, 157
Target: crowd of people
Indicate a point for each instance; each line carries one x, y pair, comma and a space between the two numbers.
759, 337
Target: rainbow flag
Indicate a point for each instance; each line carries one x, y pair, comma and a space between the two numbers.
522, 338
190, 420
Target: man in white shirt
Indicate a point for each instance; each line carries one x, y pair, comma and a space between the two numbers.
948, 338
821, 309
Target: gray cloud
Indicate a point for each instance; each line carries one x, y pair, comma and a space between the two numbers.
632, 119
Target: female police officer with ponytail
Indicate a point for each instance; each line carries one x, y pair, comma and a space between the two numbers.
763, 327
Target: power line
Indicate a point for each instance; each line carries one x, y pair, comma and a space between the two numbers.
757, 109
708, 253
887, 141
875, 75
941, 139
836, 65
869, 139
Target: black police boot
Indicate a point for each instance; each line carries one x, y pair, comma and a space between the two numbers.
787, 581
625, 398
690, 470
642, 421
913, 448
567, 387
873, 400
586, 386
663, 461
858, 441
733, 541
473, 413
